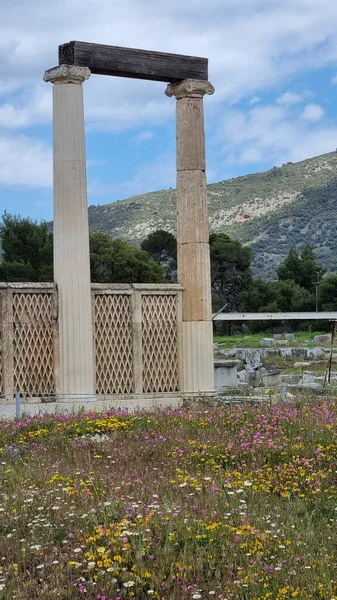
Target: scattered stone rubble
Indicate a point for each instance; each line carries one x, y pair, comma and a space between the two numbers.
322, 339
245, 366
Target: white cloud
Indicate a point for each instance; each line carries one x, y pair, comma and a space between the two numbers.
115, 104
289, 99
8, 87
272, 134
148, 176
254, 100
313, 112
143, 136
252, 45
25, 161
12, 117
32, 108
333, 80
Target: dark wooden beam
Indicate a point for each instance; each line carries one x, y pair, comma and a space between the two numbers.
136, 64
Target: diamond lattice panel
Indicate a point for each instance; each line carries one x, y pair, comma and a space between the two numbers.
1, 352
33, 343
160, 351
113, 344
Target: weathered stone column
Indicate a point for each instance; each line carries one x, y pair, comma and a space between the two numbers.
71, 234
193, 235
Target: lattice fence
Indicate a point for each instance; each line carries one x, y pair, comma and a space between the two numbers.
159, 343
113, 344
1, 349
124, 365
33, 344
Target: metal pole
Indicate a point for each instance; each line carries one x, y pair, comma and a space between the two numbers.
331, 351
316, 286
18, 405
329, 366
219, 311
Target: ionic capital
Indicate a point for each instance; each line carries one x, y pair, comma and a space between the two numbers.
189, 88
67, 74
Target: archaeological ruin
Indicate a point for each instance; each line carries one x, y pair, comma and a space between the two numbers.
69, 343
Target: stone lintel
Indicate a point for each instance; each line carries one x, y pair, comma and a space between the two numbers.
67, 74
189, 88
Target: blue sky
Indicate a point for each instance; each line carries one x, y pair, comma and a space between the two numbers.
273, 65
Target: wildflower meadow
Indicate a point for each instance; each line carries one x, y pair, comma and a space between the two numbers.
236, 502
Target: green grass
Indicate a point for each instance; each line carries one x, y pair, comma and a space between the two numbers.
231, 341
253, 340
308, 335
320, 369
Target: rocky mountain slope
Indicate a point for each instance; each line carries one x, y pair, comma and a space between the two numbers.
287, 206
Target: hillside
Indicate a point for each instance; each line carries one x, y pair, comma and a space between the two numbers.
272, 211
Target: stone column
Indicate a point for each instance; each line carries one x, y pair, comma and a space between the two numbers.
71, 235
193, 235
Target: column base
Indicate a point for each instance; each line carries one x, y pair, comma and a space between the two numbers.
198, 363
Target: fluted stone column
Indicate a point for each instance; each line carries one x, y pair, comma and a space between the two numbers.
193, 235
71, 234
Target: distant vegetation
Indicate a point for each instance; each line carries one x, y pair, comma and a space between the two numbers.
302, 284
273, 240
289, 206
27, 255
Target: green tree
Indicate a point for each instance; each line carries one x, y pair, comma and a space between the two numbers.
327, 292
16, 271
276, 296
27, 255
162, 246
230, 270
301, 268
101, 251
27, 250
115, 261
290, 267
230, 264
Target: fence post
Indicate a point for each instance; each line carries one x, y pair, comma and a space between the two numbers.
137, 341
7, 345
55, 326
180, 334
94, 332
17, 405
